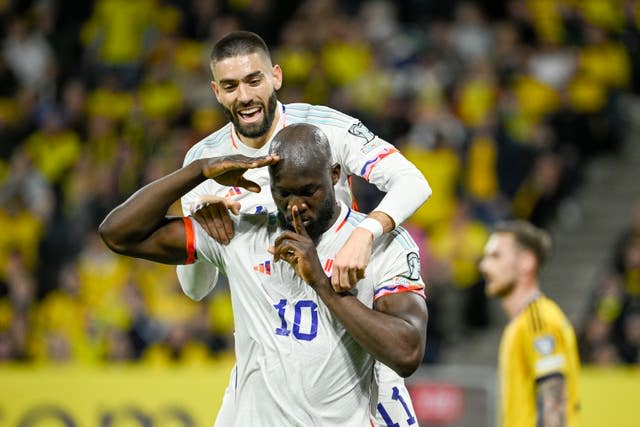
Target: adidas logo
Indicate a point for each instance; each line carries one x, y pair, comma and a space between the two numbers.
233, 191
263, 267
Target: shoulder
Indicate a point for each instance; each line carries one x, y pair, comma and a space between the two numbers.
541, 317
319, 115
215, 142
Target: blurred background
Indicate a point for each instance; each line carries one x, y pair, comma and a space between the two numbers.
511, 109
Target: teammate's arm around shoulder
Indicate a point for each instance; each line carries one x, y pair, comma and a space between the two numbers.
377, 161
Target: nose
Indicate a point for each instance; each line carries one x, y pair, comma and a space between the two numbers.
296, 201
244, 93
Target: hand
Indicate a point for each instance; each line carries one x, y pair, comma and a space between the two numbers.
213, 215
352, 260
229, 170
298, 250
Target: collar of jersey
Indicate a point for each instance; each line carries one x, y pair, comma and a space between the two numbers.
345, 212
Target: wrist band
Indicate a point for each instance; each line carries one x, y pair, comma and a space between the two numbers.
373, 226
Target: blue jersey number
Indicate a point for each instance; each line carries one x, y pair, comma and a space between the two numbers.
300, 307
385, 415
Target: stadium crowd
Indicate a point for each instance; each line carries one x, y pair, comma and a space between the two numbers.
500, 107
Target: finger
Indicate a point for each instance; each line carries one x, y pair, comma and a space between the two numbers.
297, 222
213, 225
353, 278
227, 225
233, 206
343, 284
211, 199
248, 184
265, 161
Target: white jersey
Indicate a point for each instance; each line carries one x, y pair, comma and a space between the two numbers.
359, 152
296, 365
353, 146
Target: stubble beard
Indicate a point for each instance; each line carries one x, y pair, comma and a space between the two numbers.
255, 130
318, 227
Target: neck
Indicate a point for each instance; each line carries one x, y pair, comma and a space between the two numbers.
260, 141
522, 294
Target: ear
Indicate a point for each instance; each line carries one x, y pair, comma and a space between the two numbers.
216, 90
335, 173
277, 77
527, 263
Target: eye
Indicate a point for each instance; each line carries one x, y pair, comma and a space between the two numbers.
254, 82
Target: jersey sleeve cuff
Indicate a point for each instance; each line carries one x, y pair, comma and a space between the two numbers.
190, 240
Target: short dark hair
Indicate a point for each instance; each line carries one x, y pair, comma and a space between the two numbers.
238, 43
528, 237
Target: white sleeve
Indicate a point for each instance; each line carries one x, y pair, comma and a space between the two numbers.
362, 153
406, 188
199, 278
399, 265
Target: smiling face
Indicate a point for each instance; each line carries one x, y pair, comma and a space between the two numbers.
245, 85
500, 264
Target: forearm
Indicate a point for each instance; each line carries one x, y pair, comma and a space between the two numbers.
551, 392
405, 194
144, 212
197, 279
394, 341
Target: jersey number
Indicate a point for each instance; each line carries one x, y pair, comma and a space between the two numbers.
385, 415
306, 306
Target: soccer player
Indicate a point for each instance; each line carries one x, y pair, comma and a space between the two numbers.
245, 83
538, 362
305, 353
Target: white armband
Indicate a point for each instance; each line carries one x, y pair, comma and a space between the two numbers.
373, 226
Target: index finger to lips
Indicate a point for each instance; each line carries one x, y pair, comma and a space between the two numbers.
297, 221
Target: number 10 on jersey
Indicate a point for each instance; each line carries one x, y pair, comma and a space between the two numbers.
305, 319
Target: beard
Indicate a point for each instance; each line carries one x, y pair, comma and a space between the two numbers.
320, 225
254, 130
502, 290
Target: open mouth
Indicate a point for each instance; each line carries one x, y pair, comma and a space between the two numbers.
251, 114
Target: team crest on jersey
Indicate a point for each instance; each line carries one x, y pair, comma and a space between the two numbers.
413, 263
545, 345
361, 131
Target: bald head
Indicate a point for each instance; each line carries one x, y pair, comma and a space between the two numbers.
301, 147
304, 177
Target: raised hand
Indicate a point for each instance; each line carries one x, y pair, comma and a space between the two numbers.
229, 170
297, 248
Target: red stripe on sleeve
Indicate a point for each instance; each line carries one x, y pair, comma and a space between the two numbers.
190, 244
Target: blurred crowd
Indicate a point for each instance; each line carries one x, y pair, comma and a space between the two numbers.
610, 334
501, 106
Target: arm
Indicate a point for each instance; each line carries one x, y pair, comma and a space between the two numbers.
406, 190
139, 227
394, 332
199, 278
552, 401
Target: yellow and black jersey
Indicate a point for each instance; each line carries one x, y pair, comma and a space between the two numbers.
538, 343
